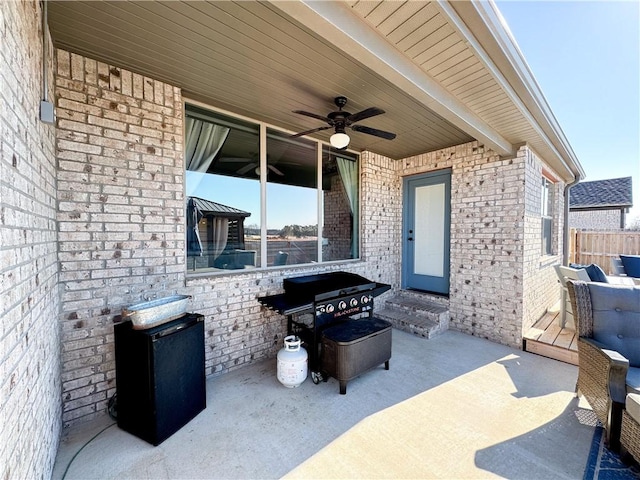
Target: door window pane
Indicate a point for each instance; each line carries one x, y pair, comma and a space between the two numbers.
429, 224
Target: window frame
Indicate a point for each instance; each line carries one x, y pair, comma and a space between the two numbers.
547, 215
320, 145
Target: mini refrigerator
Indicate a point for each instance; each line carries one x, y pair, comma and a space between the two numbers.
160, 379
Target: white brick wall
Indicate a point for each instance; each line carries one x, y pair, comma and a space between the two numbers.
487, 222
541, 288
30, 407
120, 214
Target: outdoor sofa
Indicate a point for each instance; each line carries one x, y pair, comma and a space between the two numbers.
608, 325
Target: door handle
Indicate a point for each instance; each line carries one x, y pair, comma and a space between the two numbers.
410, 239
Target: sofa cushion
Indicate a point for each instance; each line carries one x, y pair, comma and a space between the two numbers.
633, 380
616, 318
632, 406
596, 274
631, 264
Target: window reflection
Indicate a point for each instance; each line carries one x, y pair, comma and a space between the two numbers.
340, 188
223, 188
292, 199
223, 192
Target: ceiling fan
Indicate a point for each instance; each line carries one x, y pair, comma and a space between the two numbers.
340, 120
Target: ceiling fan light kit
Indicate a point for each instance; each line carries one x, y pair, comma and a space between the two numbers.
339, 140
340, 120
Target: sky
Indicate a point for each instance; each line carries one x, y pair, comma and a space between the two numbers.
585, 56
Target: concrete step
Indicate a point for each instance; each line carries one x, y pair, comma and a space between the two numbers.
413, 314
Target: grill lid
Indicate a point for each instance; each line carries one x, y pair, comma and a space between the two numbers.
326, 285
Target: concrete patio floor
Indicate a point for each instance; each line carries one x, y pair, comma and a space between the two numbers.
455, 406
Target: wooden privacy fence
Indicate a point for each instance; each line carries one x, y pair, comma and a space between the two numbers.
586, 247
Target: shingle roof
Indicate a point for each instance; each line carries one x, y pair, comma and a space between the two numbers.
614, 192
207, 206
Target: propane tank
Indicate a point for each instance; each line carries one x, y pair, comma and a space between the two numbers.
292, 362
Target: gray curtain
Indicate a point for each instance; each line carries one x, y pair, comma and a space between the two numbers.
203, 141
220, 235
349, 176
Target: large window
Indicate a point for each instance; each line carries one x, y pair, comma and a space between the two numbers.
258, 198
547, 217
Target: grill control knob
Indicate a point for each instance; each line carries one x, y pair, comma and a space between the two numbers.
330, 308
364, 299
342, 305
353, 302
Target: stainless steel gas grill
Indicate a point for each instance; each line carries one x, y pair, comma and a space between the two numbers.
326, 304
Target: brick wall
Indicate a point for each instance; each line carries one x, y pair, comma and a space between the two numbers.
121, 213
30, 406
596, 219
381, 218
486, 239
541, 288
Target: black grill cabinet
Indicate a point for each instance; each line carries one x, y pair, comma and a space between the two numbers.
354, 347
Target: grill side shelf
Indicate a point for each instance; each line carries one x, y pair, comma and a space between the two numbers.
285, 304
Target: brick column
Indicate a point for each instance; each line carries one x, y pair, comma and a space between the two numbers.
121, 213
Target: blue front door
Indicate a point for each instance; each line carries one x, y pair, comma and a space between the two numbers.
426, 232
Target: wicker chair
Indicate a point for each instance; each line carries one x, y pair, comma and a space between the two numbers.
630, 432
608, 326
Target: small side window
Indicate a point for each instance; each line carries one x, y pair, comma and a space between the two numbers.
547, 217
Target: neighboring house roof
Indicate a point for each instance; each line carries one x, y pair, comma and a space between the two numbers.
217, 209
445, 72
614, 192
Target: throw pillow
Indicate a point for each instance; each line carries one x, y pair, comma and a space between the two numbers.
596, 274
631, 264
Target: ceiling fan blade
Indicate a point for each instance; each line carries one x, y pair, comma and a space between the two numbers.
275, 170
246, 168
369, 112
307, 132
373, 131
312, 115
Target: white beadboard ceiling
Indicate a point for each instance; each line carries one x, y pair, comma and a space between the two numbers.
438, 69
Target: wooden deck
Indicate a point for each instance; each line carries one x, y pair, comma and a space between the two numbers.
548, 339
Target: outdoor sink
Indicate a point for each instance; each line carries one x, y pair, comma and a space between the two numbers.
156, 312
